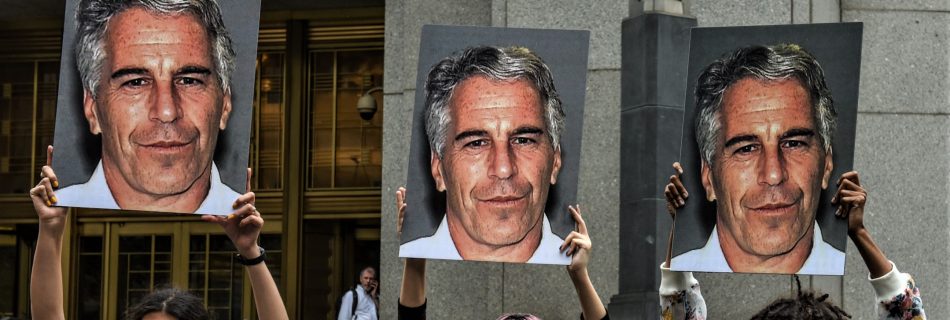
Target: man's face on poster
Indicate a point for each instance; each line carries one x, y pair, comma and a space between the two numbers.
159, 105
498, 162
769, 167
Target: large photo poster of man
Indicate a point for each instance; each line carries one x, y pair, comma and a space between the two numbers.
768, 130
496, 143
155, 103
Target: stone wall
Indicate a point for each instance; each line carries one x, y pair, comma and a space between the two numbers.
903, 144
902, 151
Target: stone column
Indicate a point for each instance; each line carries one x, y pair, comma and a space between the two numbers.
655, 54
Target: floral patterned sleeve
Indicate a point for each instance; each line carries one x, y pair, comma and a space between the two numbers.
680, 298
898, 297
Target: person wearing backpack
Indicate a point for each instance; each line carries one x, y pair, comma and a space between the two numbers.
361, 302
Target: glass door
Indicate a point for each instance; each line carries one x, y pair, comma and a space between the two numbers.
142, 260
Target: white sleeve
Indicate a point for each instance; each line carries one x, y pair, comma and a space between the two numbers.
672, 282
346, 306
890, 284
680, 296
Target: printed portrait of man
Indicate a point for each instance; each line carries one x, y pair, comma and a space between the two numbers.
764, 127
157, 79
494, 124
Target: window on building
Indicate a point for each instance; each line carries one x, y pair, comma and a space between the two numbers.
144, 264
8, 279
267, 129
217, 278
27, 114
89, 288
346, 150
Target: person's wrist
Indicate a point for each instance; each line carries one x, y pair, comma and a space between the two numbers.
578, 273
856, 231
251, 252
53, 226
415, 263
55, 232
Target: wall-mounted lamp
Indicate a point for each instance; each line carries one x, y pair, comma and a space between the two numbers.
367, 104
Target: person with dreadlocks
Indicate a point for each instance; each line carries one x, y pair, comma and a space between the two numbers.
805, 305
897, 295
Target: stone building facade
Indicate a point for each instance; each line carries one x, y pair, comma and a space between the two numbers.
902, 152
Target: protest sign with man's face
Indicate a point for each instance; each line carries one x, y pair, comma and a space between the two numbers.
495, 143
770, 125
159, 117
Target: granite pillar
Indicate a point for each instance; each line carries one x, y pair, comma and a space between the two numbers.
655, 54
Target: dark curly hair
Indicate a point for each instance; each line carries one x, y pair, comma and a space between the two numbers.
803, 307
176, 303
